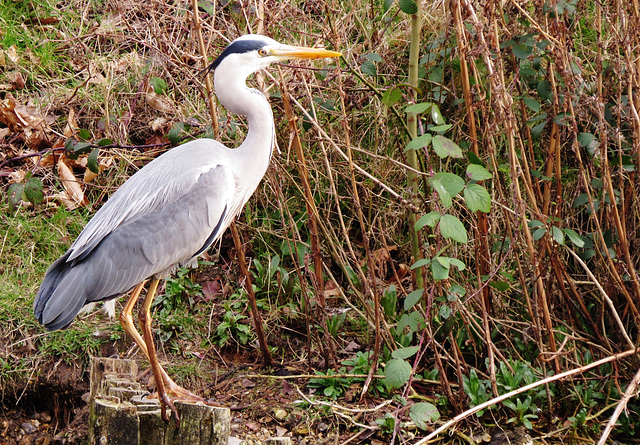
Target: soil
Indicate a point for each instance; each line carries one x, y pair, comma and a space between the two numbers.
56, 411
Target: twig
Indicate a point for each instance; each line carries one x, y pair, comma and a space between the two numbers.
604, 294
526, 388
631, 389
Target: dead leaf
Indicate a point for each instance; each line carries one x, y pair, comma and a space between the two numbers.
71, 185
72, 125
247, 383
12, 54
24, 121
158, 102
210, 289
331, 289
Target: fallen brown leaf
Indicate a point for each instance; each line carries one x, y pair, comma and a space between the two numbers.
71, 186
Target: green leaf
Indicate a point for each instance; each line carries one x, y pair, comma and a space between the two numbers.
436, 115
440, 269
413, 298
14, 194
477, 198
405, 353
33, 191
104, 142
423, 413
537, 130
159, 85
374, 57
84, 134
557, 234
478, 172
421, 262
419, 142
175, 133
539, 233
535, 223
440, 128
391, 96
447, 185
456, 262
74, 148
533, 104
430, 219
576, 239
387, 4
396, 373
418, 108
452, 227
92, 161
522, 51
368, 67
444, 147
585, 139
544, 90
408, 6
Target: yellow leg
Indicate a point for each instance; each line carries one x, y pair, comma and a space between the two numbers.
145, 321
166, 386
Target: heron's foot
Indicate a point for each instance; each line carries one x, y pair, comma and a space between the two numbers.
165, 402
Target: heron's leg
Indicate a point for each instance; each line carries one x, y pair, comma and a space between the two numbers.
126, 320
145, 321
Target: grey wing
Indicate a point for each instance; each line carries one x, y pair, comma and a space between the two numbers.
149, 243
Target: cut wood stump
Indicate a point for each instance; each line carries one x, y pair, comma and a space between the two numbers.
121, 412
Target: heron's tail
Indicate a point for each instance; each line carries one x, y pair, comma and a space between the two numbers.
61, 295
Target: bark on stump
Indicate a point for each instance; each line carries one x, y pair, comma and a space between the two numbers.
120, 413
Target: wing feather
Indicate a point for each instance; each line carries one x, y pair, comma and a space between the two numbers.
155, 222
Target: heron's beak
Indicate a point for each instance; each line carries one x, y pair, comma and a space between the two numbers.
300, 52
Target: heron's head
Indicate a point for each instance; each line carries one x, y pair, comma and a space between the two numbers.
253, 52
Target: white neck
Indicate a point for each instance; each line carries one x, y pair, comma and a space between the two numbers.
251, 158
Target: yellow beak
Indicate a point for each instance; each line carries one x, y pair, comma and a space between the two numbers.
300, 52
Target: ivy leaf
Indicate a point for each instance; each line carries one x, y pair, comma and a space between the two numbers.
452, 227
443, 146
374, 57
408, 6
422, 413
478, 172
477, 198
396, 373
175, 133
544, 90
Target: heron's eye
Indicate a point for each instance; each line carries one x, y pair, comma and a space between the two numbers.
262, 52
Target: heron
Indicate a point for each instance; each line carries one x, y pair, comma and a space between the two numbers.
170, 211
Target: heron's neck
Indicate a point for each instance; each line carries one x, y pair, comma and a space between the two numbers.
236, 97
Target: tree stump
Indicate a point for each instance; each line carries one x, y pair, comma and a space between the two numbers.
120, 412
